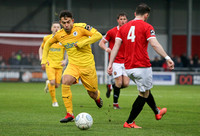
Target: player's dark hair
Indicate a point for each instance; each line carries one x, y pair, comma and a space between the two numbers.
122, 14
65, 13
142, 9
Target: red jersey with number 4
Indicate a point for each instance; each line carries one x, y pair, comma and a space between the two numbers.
135, 35
110, 37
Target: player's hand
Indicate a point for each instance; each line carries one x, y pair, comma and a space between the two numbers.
63, 63
40, 58
109, 70
170, 64
75, 45
43, 66
108, 50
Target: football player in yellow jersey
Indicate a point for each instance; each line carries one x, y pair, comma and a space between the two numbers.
76, 40
55, 64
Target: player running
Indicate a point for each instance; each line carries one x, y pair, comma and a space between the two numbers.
76, 40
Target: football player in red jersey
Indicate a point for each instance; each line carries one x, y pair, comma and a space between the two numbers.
119, 74
135, 35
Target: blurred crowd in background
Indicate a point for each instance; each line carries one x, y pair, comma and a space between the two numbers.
20, 58
32, 59
180, 62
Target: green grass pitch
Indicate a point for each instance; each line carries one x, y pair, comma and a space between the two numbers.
25, 110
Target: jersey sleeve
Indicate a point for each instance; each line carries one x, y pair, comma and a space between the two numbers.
150, 33
43, 42
118, 35
107, 37
80, 25
94, 36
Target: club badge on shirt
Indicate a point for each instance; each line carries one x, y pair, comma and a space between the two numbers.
152, 32
75, 33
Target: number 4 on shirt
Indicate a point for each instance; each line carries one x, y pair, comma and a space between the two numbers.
131, 34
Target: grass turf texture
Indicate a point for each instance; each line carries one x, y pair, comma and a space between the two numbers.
25, 110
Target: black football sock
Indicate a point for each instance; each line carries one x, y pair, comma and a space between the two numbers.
152, 104
116, 94
136, 108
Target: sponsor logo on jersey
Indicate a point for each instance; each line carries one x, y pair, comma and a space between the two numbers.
69, 45
55, 49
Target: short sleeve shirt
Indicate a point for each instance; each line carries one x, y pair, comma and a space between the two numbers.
135, 35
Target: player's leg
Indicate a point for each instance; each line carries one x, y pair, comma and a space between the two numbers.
125, 81
51, 86
56, 82
52, 92
137, 106
95, 95
152, 104
143, 79
116, 92
46, 89
135, 111
69, 77
90, 82
58, 77
109, 87
118, 76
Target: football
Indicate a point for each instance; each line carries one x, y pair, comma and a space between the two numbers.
83, 121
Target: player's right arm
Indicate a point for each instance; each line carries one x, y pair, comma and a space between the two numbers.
47, 45
41, 49
113, 54
40, 53
102, 44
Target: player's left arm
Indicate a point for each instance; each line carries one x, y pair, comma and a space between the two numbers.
94, 37
159, 49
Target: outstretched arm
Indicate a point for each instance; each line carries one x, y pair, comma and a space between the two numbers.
92, 39
159, 49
